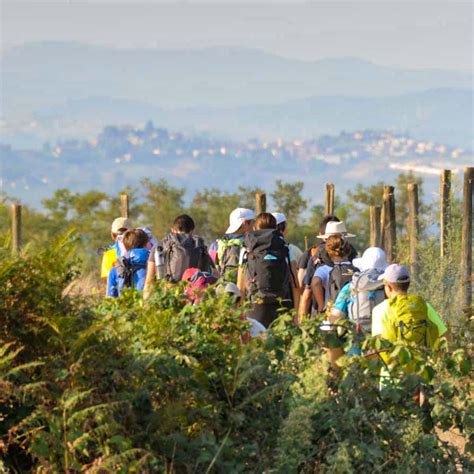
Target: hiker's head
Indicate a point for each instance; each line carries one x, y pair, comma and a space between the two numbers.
183, 224
335, 228
282, 223
327, 218
134, 239
240, 221
396, 280
265, 220
337, 248
119, 226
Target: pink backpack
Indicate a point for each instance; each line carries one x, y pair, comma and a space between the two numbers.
197, 281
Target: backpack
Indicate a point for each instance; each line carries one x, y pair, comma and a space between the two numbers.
409, 322
183, 251
268, 265
340, 275
197, 283
368, 292
228, 254
126, 271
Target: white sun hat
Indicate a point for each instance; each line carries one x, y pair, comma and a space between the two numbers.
237, 217
279, 216
335, 228
372, 258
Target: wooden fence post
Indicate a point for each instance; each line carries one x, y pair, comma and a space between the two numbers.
466, 255
260, 203
413, 227
444, 210
375, 234
329, 201
306, 245
124, 205
16, 228
389, 232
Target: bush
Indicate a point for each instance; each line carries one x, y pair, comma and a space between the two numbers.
124, 386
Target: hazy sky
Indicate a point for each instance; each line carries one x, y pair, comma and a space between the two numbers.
422, 34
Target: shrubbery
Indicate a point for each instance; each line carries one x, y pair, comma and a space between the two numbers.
123, 386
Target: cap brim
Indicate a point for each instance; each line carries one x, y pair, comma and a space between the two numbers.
357, 263
325, 236
233, 228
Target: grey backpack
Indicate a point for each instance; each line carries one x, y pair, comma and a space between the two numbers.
183, 251
368, 292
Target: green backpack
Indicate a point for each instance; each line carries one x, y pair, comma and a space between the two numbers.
409, 322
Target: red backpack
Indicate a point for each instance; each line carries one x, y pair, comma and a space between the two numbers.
197, 281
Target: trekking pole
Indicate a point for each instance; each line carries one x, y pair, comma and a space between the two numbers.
444, 210
124, 205
260, 203
466, 255
413, 226
329, 201
16, 228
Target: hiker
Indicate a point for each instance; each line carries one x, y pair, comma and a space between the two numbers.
328, 280
311, 254
404, 317
322, 258
227, 249
130, 269
178, 251
358, 298
109, 257
265, 273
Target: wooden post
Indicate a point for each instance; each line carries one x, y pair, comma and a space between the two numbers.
329, 201
375, 234
466, 246
306, 242
389, 232
260, 203
413, 227
124, 205
16, 228
444, 210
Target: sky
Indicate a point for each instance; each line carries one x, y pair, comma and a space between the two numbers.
402, 33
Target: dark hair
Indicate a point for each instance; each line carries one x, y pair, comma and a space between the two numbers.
400, 286
135, 239
265, 220
337, 247
327, 218
281, 226
184, 223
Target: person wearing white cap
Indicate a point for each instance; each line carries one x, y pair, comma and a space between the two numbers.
109, 257
228, 249
358, 298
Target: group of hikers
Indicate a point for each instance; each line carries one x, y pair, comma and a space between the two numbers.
256, 265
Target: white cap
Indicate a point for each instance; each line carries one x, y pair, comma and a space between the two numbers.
395, 273
279, 216
372, 258
238, 217
120, 223
230, 288
335, 228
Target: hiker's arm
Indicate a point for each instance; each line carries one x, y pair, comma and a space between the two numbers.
304, 304
335, 315
112, 284
241, 283
149, 280
295, 288
301, 273
318, 292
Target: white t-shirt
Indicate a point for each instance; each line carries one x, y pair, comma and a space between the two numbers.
323, 272
295, 252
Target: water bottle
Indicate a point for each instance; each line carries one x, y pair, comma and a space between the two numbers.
159, 263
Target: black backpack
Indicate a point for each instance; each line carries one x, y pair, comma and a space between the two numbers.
126, 270
268, 269
183, 251
340, 275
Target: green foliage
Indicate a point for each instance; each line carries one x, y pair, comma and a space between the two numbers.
126, 386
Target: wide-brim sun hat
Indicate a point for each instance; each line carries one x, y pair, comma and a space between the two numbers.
335, 228
237, 218
372, 258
